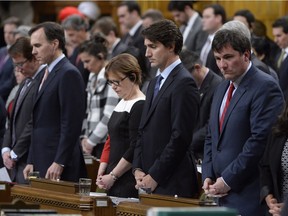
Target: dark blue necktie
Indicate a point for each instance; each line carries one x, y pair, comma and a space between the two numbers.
157, 86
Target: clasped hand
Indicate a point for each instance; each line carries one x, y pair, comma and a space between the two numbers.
105, 181
215, 188
8, 162
144, 181
274, 207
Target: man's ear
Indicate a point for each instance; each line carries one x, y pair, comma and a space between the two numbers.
55, 44
247, 55
172, 48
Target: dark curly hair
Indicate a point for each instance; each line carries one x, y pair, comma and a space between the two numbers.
166, 32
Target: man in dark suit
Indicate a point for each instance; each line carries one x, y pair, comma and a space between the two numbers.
76, 33
129, 17
162, 161
58, 109
105, 27
243, 111
280, 33
207, 81
18, 135
7, 78
191, 24
214, 16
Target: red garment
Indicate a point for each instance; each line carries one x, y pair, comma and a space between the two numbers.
106, 151
9, 108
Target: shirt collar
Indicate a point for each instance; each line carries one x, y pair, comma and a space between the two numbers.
56, 61
165, 73
238, 81
192, 19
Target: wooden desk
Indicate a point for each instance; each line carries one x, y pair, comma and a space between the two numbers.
92, 166
5, 190
152, 200
61, 201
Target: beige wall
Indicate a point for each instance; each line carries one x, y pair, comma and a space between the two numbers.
265, 10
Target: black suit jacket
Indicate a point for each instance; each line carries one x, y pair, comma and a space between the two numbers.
7, 77
20, 125
162, 148
283, 75
137, 41
206, 91
270, 168
196, 37
259, 64
57, 120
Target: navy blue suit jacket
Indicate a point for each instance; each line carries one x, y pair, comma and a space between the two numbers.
57, 119
234, 154
165, 134
283, 76
7, 77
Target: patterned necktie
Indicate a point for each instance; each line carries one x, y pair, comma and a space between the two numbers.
17, 105
229, 96
22, 92
157, 86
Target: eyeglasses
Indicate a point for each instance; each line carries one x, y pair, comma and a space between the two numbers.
20, 64
116, 82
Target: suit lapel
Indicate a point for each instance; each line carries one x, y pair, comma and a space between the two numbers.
240, 91
14, 111
50, 77
193, 31
152, 105
235, 99
24, 95
222, 92
33, 82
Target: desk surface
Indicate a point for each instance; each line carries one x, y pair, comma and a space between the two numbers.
64, 203
153, 200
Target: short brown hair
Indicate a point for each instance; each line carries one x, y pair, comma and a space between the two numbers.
125, 64
23, 47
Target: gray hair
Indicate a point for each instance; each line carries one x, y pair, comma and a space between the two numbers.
74, 22
237, 26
